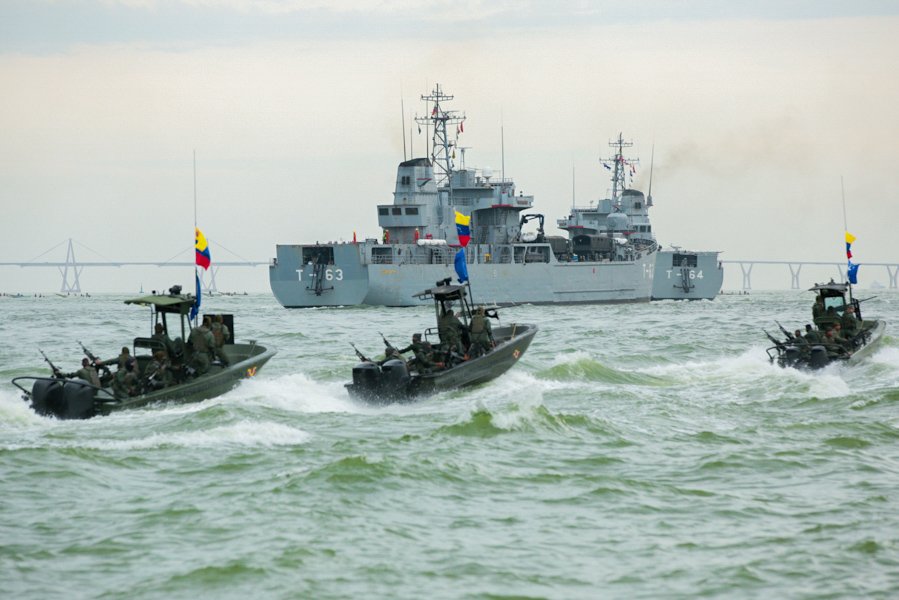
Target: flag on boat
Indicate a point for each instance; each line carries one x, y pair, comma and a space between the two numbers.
461, 265
462, 126
853, 273
202, 249
849, 239
195, 309
463, 228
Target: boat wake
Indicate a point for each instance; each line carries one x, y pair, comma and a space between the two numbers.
296, 393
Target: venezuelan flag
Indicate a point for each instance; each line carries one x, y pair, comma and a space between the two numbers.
463, 228
202, 249
849, 239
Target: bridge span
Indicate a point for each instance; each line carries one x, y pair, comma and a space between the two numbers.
795, 266
71, 267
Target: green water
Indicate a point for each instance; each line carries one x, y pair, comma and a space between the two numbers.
636, 451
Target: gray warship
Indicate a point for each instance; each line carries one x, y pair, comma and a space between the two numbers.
609, 256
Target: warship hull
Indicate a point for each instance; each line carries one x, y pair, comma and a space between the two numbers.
356, 277
681, 275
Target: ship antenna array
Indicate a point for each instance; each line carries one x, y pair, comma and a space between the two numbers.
619, 172
442, 146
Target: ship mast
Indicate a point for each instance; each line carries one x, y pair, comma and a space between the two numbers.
442, 147
619, 173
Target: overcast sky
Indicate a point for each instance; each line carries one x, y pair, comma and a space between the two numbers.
756, 110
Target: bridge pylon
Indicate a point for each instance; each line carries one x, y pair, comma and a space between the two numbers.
67, 288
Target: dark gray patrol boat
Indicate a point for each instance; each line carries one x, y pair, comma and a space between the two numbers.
392, 379
79, 399
821, 350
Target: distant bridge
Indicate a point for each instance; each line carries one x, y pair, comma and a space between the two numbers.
796, 267
74, 268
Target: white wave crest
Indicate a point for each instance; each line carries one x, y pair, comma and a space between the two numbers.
297, 392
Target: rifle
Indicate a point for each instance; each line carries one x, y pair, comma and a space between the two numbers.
56, 372
785, 332
386, 343
777, 342
359, 354
93, 358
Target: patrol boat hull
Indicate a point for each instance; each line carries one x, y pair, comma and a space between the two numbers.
444, 367
835, 309
391, 382
79, 399
148, 374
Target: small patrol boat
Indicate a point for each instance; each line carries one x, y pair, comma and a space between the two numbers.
66, 398
393, 379
820, 347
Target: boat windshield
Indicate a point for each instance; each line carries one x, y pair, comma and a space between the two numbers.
837, 302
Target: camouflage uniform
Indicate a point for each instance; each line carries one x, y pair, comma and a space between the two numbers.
424, 355
481, 334
126, 381
202, 342
87, 373
221, 335
157, 375
449, 328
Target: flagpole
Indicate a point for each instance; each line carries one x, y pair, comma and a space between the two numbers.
196, 273
846, 234
843, 194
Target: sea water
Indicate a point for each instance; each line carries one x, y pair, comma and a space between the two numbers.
635, 451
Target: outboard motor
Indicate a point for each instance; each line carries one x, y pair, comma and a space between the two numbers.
394, 374
791, 355
62, 399
818, 357
367, 376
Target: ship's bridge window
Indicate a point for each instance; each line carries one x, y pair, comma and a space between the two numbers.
397, 210
637, 204
412, 210
405, 180
383, 211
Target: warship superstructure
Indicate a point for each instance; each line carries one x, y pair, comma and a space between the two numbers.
615, 261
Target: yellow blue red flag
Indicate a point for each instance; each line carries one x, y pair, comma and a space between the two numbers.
202, 249
463, 228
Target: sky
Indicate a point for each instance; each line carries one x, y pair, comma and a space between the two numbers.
760, 117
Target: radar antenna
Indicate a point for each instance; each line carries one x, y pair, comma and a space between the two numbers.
442, 146
619, 173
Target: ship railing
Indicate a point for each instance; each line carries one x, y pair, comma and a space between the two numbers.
446, 255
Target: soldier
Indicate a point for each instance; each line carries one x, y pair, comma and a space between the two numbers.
450, 330
221, 334
818, 308
157, 375
834, 348
87, 372
840, 338
202, 342
161, 337
126, 381
850, 322
812, 336
481, 334
424, 355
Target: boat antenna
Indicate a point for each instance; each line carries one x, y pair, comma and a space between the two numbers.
502, 146
403, 123
572, 187
845, 228
652, 157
